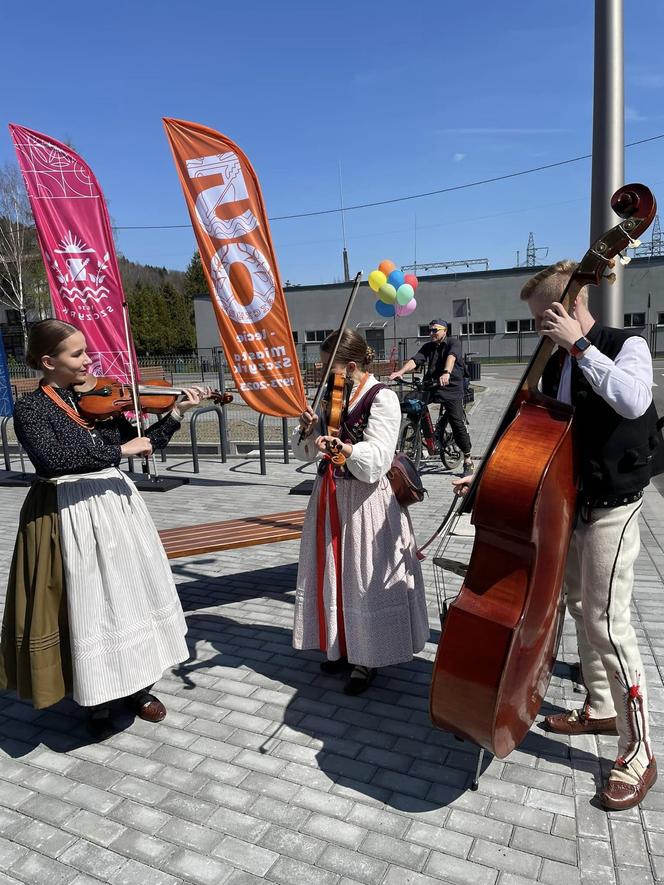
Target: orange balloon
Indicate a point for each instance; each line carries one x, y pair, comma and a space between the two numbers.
387, 267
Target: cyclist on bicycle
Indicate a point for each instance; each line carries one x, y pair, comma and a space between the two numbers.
443, 370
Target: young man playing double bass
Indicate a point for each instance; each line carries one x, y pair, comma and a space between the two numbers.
607, 375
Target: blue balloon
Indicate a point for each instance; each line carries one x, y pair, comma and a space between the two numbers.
396, 278
385, 310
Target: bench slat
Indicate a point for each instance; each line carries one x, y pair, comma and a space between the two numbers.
233, 533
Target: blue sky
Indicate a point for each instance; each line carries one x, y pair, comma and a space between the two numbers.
407, 97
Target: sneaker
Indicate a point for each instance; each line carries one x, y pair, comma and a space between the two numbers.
468, 469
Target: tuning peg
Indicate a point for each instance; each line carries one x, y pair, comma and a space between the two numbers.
610, 277
611, 263
634, 244
625, 260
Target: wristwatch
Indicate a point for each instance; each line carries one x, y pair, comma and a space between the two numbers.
579, 347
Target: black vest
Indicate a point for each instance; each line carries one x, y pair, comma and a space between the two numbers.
617, 456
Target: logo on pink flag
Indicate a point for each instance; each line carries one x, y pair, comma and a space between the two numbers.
76, 242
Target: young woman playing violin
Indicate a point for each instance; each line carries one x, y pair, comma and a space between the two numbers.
360, 593
91, 606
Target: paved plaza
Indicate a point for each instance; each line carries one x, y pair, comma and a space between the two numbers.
265, 771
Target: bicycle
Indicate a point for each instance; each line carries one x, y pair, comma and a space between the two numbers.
417, 428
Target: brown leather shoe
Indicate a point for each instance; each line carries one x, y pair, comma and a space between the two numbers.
618, 795
146, 706
578, 723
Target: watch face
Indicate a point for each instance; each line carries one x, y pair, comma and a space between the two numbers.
582, 344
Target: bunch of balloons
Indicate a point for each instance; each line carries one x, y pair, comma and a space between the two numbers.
396, 290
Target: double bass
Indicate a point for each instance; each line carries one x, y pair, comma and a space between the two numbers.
500, 636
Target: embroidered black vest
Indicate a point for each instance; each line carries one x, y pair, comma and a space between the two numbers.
617, 456
352, 429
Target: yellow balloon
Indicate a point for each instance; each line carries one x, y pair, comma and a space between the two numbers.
377, 279
387, 293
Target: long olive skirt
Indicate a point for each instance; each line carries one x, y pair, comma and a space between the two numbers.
35, 657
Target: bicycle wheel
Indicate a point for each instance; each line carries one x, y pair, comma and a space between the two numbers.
450, 454
410, 441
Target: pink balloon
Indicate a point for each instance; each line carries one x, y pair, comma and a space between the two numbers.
412, 279
403, 310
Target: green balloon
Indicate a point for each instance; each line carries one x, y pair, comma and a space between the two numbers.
387, 293
405, 293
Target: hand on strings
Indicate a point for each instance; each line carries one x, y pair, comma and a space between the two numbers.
192, 397
559, 326
332, 445
460, 486
307, 420
139, 447
396, 376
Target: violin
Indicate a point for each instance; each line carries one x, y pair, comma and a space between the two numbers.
334, 406
99, 398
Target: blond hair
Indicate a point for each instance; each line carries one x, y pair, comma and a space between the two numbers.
552, 280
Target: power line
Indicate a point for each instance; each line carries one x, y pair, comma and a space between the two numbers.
444, 190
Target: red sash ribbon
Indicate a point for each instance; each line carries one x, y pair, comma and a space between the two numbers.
327, 502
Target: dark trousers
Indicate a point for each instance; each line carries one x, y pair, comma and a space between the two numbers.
453, 406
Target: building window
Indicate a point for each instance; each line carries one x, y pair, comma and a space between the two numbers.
481, 328
313, 336
660, 319
294, 337
423, 331
634, 319
519, 326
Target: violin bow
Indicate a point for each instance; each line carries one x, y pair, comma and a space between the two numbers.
328, 368
140, 425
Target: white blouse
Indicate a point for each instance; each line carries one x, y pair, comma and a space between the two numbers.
371, 458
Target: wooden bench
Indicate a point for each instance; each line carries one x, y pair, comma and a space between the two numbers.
23, 385
212, 537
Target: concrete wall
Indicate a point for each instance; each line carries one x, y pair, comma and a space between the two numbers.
493, 296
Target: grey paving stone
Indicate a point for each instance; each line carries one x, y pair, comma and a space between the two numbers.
458, 871
334, 831
41, 837
92, 859
252, 858
36, 869
543, 845
237, 824
287, 871
141, 791
479, 825
386, 848
279, 812
94, 827
198, 869
521, 815
400, 876
190, 835
296, 845
151, 850
352, 864
502, 858
135, 873
49, 809
10, 853
139, 817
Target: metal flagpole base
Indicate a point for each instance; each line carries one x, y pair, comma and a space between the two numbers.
160, 484
12, 478
305, 487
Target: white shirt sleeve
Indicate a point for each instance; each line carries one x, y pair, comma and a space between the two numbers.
372, 458
624, 383
305, 450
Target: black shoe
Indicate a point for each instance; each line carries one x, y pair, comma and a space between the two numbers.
359, 680
332, 667
99, 723
468, 469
